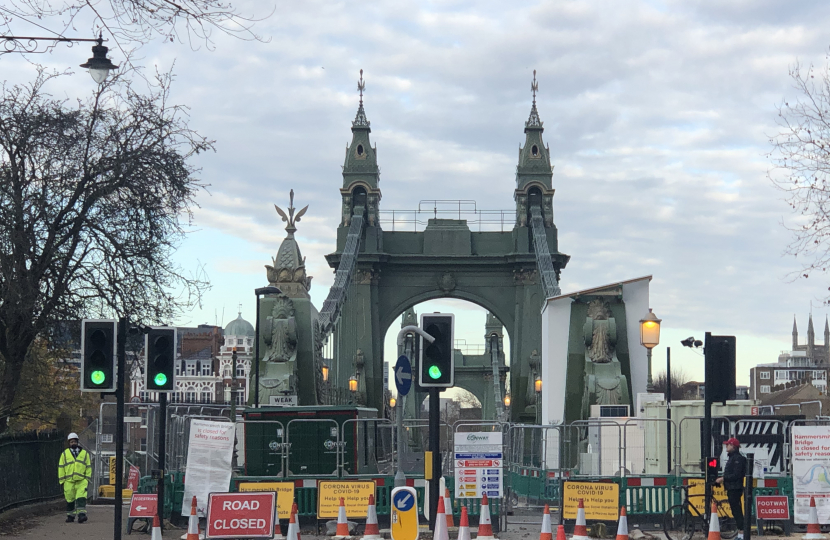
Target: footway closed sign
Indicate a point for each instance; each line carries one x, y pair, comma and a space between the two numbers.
241, 515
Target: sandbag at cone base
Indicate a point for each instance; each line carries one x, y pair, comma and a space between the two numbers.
813, 527
371, 532
156, 529
464, 525
193, 523
448, 509
622, 525
546, 533
560, 533
714, 524
342, 522
485, 527
581, 527
440, 532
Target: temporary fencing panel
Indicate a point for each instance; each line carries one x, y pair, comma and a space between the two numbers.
307, 455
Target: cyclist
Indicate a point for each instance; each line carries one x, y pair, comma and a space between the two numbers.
733, 481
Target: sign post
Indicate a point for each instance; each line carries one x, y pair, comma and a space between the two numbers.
241, 515
403, 382
404, 517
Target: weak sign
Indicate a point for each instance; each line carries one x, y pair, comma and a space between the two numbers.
241, 515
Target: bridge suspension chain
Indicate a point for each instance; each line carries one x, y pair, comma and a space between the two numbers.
343, 276
544, 262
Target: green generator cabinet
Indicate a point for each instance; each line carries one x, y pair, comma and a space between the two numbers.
312, 435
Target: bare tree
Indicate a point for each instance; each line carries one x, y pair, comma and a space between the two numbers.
91, 201
132, 22
801, 164
679, 384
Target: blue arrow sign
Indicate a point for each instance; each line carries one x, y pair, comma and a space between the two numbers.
403, 375
403, 500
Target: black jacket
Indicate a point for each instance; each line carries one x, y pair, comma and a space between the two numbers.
735, 471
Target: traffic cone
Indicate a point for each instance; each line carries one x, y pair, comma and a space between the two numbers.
622, 525
546, 533
440, 532
448, 508
371, 532
560, 533
581, 528
342, 522
193, 522
293, 532
485, 528
714, 524
813, 528
156, 529
464, 525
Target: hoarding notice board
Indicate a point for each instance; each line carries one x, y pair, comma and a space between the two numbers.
601, 500
355, 496
811, 463
284, 491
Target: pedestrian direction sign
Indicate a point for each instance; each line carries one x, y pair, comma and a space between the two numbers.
403, 375
404, 513
143, 505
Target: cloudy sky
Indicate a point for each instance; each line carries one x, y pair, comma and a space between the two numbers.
658, 115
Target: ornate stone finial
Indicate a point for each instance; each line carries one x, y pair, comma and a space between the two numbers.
360, 120
534, 120
291, 219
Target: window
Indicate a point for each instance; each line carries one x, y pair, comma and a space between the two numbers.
764, 374
106, 437
240, 370
142, 396
226, 373
142, 445
819, 375
191, 368
207, 397
143, 418
781, 375
206, 368
765, 389
191, 396
240, 341
240, 398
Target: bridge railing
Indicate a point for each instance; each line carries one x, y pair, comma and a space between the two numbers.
477, 220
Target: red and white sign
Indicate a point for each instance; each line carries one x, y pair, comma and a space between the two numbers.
143, 505
132, 480
241, 515
754, 411
772, 507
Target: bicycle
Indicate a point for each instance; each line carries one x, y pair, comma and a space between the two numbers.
682, 521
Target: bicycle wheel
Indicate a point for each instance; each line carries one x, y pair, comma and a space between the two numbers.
728, 527
679, 523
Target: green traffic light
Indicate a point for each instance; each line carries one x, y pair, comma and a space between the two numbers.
160, 379
435, 372
97, 377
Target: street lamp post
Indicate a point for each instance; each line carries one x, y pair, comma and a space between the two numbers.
259, 292
650, 338
99, 65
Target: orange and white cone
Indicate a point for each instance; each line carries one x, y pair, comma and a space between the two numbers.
485, 527
293, 531
371, 532
560, 533
622, 525
581, 527
546, 533
156, 529
464, 525
813, 528
295, 513
440, 532
714, 524
342, 522
448, 508
193, 523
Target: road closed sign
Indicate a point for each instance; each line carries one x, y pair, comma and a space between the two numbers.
601, 500
404, 517
241, 515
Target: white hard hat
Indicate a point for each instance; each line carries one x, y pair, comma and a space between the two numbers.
72, 435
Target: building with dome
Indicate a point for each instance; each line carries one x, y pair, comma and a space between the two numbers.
239, 335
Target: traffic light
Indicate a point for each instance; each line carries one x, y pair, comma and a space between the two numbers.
437, 364
159, 368
712, 470
719, 353
98, 351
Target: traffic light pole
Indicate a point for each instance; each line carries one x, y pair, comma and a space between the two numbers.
706, 438
121, 341
435, 448
162, 449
